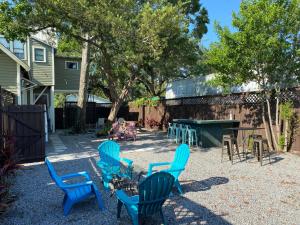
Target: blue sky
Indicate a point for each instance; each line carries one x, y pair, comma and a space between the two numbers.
221, 11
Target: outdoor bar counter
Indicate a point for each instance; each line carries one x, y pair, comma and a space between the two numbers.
209, 132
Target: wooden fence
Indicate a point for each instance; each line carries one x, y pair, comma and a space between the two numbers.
66, 117
23, 128
243, 107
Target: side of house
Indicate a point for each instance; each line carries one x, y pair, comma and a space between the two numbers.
33, 73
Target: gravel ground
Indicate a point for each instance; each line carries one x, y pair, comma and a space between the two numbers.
215, 192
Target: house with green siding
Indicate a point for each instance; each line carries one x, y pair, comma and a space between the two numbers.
33, 73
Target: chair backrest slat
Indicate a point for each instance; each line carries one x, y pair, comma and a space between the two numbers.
153, 192
181, 157
109, 152
53, 174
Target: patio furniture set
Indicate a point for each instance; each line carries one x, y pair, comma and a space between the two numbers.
219, 133
141, 198
182, 133
255, 143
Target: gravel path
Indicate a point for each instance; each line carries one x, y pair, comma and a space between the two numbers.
215, 193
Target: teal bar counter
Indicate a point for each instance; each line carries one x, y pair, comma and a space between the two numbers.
209, 132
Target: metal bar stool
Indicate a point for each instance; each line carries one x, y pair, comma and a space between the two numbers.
228, 147
192, 136
259, 149
184, 135
178, 133
171, 130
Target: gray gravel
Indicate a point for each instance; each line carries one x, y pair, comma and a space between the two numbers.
215, 192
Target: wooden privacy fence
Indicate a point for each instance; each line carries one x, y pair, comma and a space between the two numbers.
24, 127
245, 107
66, 117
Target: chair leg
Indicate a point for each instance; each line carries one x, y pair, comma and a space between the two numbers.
120, 204
67, 206
237, 150
231, 151
162, 217
65, 199
261, 153
98, 197
222, 152
196, 139
179, 188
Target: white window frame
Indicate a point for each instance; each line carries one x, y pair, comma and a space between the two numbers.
25, 50
33, 55
9, 45
71, 62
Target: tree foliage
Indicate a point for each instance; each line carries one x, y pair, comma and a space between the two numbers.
264, 48
130, 42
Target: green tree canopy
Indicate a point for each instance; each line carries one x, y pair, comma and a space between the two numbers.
263, 48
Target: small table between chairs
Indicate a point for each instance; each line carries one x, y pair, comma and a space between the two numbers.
129, 185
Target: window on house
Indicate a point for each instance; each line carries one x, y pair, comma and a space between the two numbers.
4, 42
19, 49
39, 54
71, 65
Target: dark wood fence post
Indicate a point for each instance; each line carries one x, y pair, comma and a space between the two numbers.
1, 127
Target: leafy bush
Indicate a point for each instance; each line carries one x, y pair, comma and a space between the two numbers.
152, 123
104, 131
146, 102
286, 110
281, 142
8, 164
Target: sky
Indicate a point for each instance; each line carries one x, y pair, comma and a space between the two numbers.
221, 11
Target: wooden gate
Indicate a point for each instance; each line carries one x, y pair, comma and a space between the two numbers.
24, 126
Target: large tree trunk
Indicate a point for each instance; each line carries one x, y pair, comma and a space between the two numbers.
117, 104
274, 139
83, 85
267, 127
286, 135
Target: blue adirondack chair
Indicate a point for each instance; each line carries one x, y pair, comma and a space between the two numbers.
110, 162
153, 192
75, 192
176, 167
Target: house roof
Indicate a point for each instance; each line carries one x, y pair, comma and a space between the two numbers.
199, 86
92, 98
15, 58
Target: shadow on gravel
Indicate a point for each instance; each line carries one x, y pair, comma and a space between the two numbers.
203, 185
185, 211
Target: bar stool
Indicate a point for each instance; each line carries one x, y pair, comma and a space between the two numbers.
178, 133
184, 135
192, 136
259, 149
171, 130
228, 146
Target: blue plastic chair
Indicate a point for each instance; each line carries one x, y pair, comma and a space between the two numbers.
153, 192
176, 167
75, 193
110, 162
